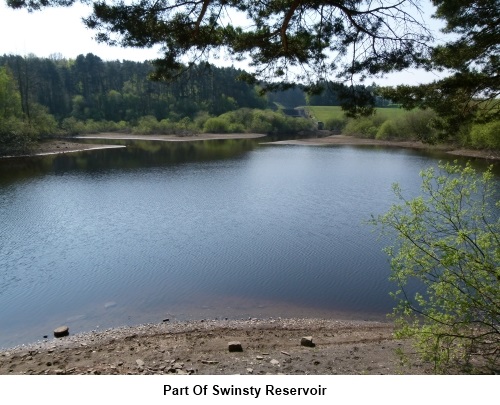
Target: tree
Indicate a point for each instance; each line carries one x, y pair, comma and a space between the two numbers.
286, 41
470, 93
15, 135
10, 99
448, 242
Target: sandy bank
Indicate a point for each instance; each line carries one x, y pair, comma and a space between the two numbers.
270, 346
349, 140
69, 145
170, 138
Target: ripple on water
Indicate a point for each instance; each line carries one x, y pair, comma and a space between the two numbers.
281, 226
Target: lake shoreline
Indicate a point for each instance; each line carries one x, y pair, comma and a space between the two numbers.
324, 138
345, 140
269, 346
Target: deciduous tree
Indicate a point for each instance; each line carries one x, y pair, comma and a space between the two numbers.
15, 135
447, 245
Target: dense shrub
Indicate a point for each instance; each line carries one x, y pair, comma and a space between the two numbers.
335, 124
216, 125
419, 125
389, 130
41, 122
486, 136
147, 125
72, 126
16, 136
259, 121
364, 127
200, 119
406, 125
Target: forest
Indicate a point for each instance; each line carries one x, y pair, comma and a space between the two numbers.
49, 97
42, 97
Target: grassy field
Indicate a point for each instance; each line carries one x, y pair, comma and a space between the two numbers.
323, 113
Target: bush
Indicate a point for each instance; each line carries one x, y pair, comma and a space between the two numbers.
448, 242
364, 127
486, 136
242, 116
389, 130
406, 125
200, 119
261, 123
419, 125
216, 125
72, 126
16, 137
335, 124
43, 124
146, 126
236, 128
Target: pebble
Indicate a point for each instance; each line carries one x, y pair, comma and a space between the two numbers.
235, 346
209, 362
307, 341
61, 331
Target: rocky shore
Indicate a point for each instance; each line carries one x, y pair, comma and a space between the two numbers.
270, 346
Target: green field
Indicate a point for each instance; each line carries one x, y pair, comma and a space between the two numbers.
323, 113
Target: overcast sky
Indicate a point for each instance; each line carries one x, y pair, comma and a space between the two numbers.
61, 31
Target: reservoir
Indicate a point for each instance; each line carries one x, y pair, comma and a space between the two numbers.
196, 230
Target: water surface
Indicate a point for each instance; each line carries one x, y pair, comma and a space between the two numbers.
195, 230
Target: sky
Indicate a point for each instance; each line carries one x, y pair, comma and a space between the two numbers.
61, 31
57, 31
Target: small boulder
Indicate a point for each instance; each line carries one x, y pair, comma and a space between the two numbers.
307, 341
235, 347
61, 331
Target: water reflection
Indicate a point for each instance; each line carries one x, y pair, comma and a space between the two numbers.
194, 229
137, 154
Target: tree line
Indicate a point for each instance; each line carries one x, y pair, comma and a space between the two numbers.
55, 95
89, 88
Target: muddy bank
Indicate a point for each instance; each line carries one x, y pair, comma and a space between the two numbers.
270, 346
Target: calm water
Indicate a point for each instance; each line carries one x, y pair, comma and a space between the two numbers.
194, 230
